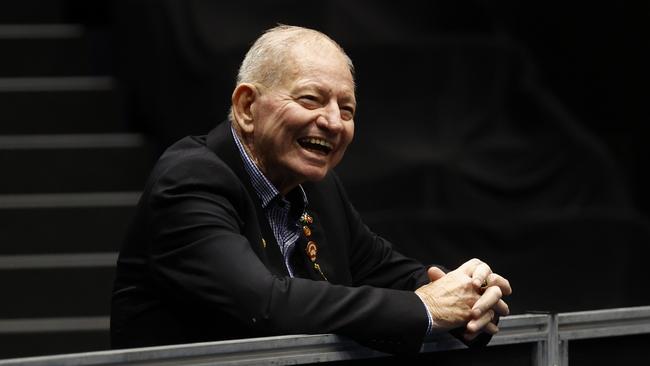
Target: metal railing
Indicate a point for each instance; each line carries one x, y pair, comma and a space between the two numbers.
548, 334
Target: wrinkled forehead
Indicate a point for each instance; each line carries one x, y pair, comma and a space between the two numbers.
318, 57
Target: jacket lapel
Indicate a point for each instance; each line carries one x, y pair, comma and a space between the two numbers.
220, 140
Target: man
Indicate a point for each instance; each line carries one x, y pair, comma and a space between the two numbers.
247, 232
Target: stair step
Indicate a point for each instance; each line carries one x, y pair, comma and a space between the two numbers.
65, 223
51, 50
74, 163
50, 343
56, 292
34, 11
59, 105
63, 229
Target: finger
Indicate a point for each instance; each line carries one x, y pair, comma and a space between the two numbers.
501, 308
489, 299
497, 280
480, 275
477, 324
469, 266
491, 328
435, 274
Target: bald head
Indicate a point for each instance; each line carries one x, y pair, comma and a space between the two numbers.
271, 58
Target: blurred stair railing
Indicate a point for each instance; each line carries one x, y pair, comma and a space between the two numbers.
549, 335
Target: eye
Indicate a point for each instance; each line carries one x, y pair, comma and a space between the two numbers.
309, 101
347, 113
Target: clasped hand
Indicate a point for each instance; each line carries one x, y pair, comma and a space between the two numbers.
469, 296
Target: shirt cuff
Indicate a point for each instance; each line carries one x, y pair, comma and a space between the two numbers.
433, 327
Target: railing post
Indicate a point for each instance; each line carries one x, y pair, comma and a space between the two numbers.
553, 341
545, 351
564, 352
540, 354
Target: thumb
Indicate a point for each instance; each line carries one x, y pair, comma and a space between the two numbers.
435, 274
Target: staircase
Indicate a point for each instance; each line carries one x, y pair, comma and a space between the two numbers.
71, 174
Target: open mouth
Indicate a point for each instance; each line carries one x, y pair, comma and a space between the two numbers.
315, 144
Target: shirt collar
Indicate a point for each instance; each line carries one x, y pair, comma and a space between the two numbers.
265, 190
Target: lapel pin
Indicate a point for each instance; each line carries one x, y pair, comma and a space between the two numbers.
306, 219
311, 250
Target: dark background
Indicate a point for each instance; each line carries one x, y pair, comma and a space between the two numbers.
510, 131
500, 130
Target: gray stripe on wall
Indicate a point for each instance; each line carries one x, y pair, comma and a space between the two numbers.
63, 83
72, 141
25, 31
47, 261
69, 200
38, 325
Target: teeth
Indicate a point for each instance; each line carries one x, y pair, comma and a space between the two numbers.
320, 142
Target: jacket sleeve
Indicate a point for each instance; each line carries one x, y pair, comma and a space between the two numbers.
378, 263
198, 254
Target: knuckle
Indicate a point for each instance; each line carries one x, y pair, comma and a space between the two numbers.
487, 267
465, 280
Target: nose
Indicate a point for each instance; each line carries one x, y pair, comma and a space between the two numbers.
330, 118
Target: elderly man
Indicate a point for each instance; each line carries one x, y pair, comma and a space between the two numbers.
247, 232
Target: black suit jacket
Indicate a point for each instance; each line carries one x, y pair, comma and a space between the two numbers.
194, 266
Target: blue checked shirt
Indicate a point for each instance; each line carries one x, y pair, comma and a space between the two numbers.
283, 220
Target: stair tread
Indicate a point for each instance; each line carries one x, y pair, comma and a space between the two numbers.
68, 170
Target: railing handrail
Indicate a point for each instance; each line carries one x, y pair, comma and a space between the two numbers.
539, 329
604, 323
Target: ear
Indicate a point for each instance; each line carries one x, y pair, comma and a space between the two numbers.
243, 98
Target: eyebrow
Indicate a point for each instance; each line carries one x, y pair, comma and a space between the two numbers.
349, 96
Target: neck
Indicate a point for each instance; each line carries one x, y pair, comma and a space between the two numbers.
280, 181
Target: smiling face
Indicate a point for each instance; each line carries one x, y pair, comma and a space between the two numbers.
301, 127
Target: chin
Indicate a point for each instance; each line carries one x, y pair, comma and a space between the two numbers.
315, 175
